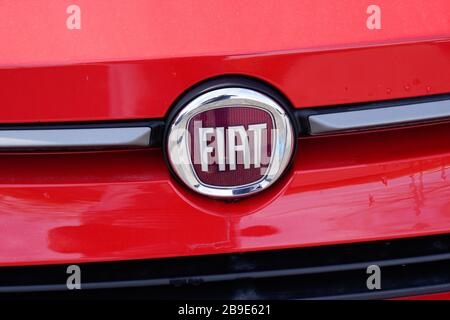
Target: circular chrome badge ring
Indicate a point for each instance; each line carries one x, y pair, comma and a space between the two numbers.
178, 148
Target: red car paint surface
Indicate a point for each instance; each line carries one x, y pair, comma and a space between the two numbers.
316, 52
436, 296
133, 59
124, 205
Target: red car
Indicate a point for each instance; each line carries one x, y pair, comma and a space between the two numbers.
294, 149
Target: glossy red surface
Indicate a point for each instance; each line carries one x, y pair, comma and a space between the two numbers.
436, 296
101, 206
316, 52
146, 89
36, 31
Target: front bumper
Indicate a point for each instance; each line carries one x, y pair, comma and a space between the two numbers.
122, 205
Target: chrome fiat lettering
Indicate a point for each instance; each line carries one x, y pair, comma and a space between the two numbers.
230, 149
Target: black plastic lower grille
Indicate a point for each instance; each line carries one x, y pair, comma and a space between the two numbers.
408, 266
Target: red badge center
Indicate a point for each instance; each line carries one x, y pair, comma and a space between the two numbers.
231, 146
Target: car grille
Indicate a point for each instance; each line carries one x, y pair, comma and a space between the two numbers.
408, 267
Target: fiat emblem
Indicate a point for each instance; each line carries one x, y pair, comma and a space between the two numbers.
231, 142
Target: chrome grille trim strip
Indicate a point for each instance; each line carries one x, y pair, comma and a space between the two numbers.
356, 120
75, 138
